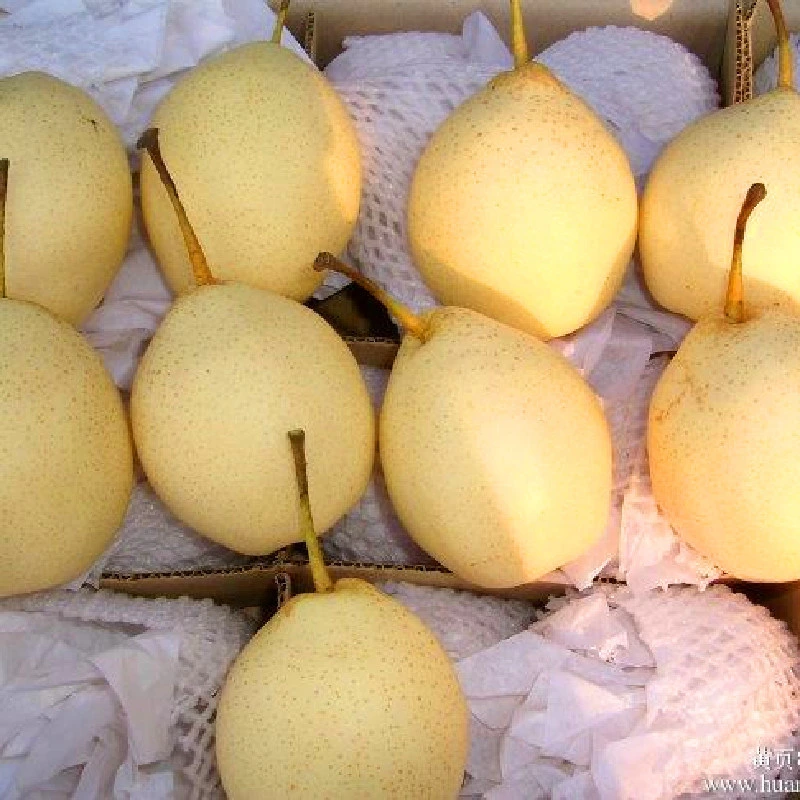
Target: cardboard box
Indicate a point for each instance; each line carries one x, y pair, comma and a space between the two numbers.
732, 37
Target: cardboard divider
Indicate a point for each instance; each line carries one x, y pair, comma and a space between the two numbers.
256, 585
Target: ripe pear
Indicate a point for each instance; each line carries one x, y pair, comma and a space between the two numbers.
344, 693
70, 201
268, 166
693, 195
496, 453
66, 462
228, 371
724, 434
523, 206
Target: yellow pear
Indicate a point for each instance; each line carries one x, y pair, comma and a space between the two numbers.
523, 206
724, 435
228, 371
496, 453
66, 463
343, 694
70, 201
268, 166
694, 192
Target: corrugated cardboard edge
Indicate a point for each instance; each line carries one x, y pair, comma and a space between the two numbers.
736, 78
260, 585
751, 38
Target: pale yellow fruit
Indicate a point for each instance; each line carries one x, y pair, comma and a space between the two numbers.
230, 370
694, 194
496, 453
345, 695
724, 444
69, 208
66, 463
523, 206
266, 161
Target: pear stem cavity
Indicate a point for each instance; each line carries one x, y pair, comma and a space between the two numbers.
519, 44
412, 323
280, 22
734, 299
785, 57
319, 573
4, 165
202, 274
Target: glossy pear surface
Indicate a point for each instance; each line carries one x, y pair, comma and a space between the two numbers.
496, 453
344, 694
523, 206
228, 372
267, 163
693, 196
724, 444
66, 463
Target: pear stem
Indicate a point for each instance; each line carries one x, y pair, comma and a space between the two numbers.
4, 165
519, 44
319, 572
785, 57
280, 22
200, 269
734, 299
414, 324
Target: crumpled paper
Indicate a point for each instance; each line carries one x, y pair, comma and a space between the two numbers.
86, 710
108, 696
126, 53
614, 696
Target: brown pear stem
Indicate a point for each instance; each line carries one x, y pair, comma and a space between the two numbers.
403, 314
280, 22
519, 44
734, 299
202, 273
4, 165
319, 572
785, 57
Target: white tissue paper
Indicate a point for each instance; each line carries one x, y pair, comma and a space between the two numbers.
126, 53
616, 696
105, 695
766, 76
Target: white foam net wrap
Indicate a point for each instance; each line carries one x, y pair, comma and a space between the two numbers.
153, 540
93, 644
464, 623
653, 696
400, 87
370, 532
